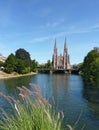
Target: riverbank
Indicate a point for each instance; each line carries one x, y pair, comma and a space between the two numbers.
4, 75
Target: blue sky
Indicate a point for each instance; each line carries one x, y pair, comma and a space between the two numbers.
35, 24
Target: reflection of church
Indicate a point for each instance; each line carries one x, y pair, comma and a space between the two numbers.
61, 62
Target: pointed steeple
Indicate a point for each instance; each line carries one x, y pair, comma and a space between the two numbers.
55, 55
65, 45
55, 45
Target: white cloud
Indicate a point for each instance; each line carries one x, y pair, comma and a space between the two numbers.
50, 37
96, 26
41, 39
55, 24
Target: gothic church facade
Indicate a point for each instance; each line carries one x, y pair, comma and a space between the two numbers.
61, 62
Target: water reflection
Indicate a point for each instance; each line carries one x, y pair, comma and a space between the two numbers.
60, 87
10, 85
67, 92
92, 95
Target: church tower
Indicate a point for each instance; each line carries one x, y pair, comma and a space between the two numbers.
65, 55
55, 56
61, 62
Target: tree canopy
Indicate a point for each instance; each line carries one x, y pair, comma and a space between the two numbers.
23, 55
90, 67
20, 62
34, 65
10, 63
49, 64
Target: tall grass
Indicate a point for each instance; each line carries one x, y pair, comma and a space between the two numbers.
30, 112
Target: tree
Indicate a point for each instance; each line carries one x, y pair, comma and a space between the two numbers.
23, 55
34, 65
95, 71
10, 63
49, 64
1, 63
20, 67
77, 66
90, 67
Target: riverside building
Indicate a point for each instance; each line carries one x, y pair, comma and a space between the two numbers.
61, 62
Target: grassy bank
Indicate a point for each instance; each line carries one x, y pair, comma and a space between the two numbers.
4, 75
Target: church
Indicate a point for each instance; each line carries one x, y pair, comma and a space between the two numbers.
61, 62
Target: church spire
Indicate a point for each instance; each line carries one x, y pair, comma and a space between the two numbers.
65, 45
55, 46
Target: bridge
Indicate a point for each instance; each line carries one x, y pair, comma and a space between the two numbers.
58, 71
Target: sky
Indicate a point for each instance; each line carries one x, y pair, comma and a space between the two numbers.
35, 24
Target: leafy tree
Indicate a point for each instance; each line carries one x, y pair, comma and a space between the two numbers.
77, 66
23, 55
95, 71
10, 63
90, 67
41, 67
34, 65
1, 63
20, 67
49, 64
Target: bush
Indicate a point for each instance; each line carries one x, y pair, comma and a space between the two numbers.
25, 70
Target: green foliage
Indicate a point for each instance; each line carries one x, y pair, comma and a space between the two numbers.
20, 66
34, 65
42, 66
20, 63
1, 63
26, 70
23, 55
10, 63
31, 112
90, 67
95, 71
49, 64
77, 66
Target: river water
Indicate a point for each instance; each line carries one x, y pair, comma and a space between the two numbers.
68, 94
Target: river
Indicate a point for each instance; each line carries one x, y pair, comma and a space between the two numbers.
68, 94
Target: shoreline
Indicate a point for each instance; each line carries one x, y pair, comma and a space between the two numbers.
4, 75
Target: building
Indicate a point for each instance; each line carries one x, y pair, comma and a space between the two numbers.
2, 58
61, 62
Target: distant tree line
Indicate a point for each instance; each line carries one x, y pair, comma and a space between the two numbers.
20, 62
45, 66
90, 68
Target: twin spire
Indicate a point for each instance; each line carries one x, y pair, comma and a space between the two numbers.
62, 61
65, 45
